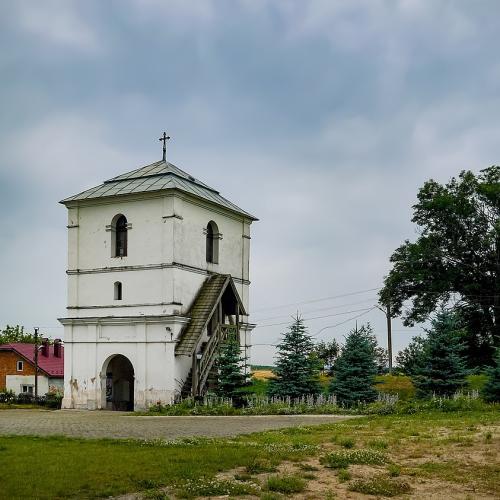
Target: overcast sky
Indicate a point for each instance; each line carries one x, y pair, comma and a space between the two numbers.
322, 118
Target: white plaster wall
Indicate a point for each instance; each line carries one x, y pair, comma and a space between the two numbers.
149, 347
143, 291
14, 382
156, 238
94, 241
190, 239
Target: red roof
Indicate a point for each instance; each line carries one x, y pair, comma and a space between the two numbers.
51, 365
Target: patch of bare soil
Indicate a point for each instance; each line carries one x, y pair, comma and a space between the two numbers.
446, 465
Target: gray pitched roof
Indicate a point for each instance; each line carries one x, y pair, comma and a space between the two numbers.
158, 176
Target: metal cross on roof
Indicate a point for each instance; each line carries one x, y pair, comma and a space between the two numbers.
165, 138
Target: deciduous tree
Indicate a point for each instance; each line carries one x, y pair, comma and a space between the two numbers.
11, 334
457, 255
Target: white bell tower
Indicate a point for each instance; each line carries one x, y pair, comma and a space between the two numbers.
158, 276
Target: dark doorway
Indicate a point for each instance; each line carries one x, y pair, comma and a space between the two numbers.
120, 384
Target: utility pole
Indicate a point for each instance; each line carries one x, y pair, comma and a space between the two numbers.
387, 313
389, 337
36, 364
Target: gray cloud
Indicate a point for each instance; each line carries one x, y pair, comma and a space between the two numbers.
322, 118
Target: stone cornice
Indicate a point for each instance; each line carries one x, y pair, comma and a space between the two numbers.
126, 320
118, 306
145, 267
201, 202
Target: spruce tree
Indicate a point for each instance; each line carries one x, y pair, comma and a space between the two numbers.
297, 366
410, 359
442, 369
231, 378
355, 368
491, 390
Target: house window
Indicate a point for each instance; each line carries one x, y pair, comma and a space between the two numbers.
212, 244
20, 366
118, 290
27, 389
119, 230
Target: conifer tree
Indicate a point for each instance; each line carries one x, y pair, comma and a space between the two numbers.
491, 390
355, 368
297, 366
442, 370
231, 378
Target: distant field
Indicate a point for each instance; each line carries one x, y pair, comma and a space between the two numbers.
263, 374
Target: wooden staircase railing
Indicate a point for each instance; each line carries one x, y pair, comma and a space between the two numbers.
209, 355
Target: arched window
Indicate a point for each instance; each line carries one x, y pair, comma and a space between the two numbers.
118, 290
121, 236
212, 252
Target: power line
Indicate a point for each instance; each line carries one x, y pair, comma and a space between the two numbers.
317, 300
319, 309
330, 326
343, 322
317, 317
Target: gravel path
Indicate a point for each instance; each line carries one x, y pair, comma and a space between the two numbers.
106, 424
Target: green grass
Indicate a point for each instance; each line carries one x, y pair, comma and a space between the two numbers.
286, 484
98, 468
80, 468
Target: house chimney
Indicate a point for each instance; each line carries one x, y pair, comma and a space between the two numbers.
45, 347
57, 348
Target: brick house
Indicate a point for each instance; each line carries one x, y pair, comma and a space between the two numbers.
17, 367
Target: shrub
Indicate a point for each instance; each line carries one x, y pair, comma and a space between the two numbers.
286, 484
378, 444
347, 442
342, 459
53, 399
7, 396
343, 475
394, 470
491, 390
213, 487
380, 486
260, 465
476, 382
396, 384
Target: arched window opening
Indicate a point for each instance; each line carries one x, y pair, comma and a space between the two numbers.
118, 290
121, 237
212, 251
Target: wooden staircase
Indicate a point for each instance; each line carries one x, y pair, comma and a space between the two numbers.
205, 368
217, 300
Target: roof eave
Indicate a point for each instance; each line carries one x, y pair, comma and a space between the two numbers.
71, 201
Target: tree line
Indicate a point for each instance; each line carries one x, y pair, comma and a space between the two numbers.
450, 276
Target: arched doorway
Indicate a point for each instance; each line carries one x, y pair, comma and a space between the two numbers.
118, 390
